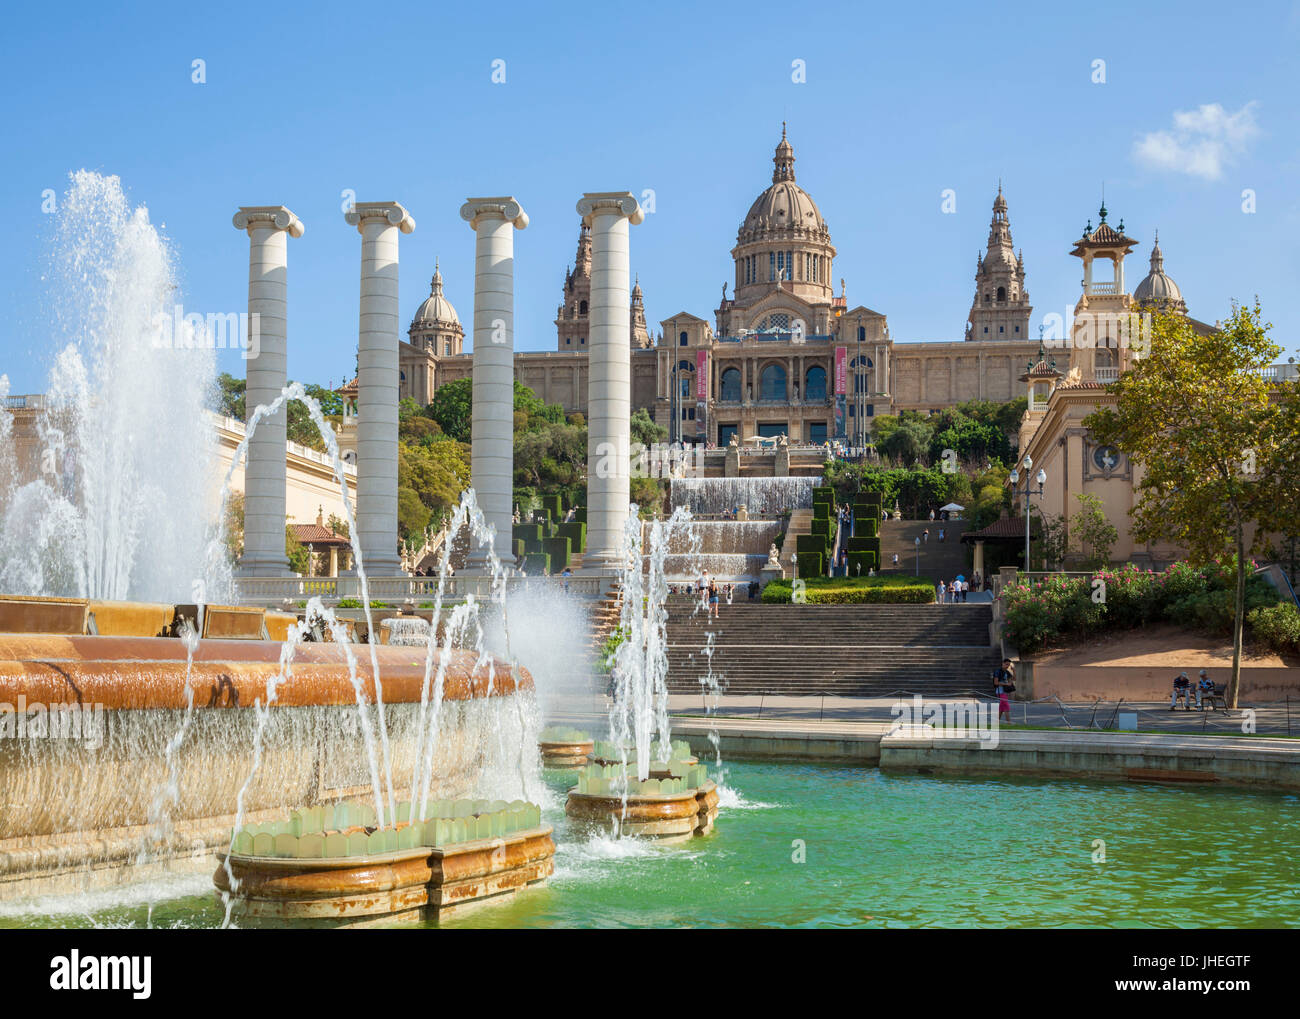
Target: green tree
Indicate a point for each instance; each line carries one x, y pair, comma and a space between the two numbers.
1196, 414
230, 396
644, 429
453, 408
1092, 533
298, 553
436, 473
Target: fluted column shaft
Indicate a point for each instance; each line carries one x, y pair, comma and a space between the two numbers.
609, 385
492, 437
268, 228
380, 224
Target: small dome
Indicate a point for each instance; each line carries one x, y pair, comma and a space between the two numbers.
436, 309
1158, 287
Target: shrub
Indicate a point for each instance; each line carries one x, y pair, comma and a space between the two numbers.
576, 532
811, 564
822, 526
529, 534
557, 551
537, 564
861, 563
855, 590
866, 527
1277, 626
810, 544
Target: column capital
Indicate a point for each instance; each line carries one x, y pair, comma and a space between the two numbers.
623, 203
392, 213
277, 217
505, 207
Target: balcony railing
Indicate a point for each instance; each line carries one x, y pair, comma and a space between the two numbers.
1107, 375
1103, 288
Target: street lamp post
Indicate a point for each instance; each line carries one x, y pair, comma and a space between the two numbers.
1041, 478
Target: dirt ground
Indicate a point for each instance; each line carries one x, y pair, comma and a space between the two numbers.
1163, 646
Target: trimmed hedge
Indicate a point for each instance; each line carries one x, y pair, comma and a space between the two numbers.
812, 564
530, 534
810, 544
537, 564
855, 590
821, 511
866, 527
576, 532
861, 563
557, 551
551, 504
580, 514
517, 547
822, 525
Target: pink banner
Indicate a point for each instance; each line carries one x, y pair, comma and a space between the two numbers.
841, 370
701, 375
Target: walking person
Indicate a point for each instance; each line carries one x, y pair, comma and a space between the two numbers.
1004, 685
939, 589
925, 535
941, 534
713, 599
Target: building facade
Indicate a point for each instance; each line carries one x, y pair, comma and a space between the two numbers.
785, 354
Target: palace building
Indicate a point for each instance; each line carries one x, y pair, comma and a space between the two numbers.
784, 354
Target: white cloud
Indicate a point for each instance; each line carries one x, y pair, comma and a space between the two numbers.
1202, 142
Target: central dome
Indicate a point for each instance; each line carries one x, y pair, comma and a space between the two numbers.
784, 209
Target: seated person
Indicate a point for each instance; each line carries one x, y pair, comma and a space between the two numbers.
1204, 687
1183, 690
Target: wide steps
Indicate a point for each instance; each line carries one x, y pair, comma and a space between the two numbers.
837, 650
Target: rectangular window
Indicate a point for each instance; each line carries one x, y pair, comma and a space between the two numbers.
771, 266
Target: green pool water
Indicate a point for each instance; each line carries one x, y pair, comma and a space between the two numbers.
887, 850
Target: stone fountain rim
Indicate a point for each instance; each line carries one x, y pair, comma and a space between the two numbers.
394, 856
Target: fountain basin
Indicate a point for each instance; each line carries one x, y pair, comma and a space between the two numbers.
565, 755
565, 748
86, 722
394, 885
669, 817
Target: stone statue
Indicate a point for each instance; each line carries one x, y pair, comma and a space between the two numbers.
773, 557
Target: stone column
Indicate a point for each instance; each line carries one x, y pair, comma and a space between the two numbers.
379, 224
492, 450
609, 385
269, 228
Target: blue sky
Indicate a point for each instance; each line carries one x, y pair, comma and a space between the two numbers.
1200, 102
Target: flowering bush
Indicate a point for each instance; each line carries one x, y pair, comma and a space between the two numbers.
1196, 597
1278, 626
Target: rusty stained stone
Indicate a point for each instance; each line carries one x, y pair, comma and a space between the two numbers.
278, 889
566, 755
672, 816
149, 672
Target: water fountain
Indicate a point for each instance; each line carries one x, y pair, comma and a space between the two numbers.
643, 783
151, 733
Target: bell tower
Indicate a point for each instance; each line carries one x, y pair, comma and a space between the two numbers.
1001, 308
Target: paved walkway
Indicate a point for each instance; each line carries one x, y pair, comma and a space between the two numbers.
1277, 719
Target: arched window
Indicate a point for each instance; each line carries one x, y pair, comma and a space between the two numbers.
1002, 293
686, 375
862, 334
771, 384
814, 387
987, 299
861, 368
682, 339
582, 307
730, 383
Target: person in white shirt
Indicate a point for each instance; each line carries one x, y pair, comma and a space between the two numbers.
940, 589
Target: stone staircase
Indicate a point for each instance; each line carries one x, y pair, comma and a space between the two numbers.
940, 560
836, 650
800, 523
